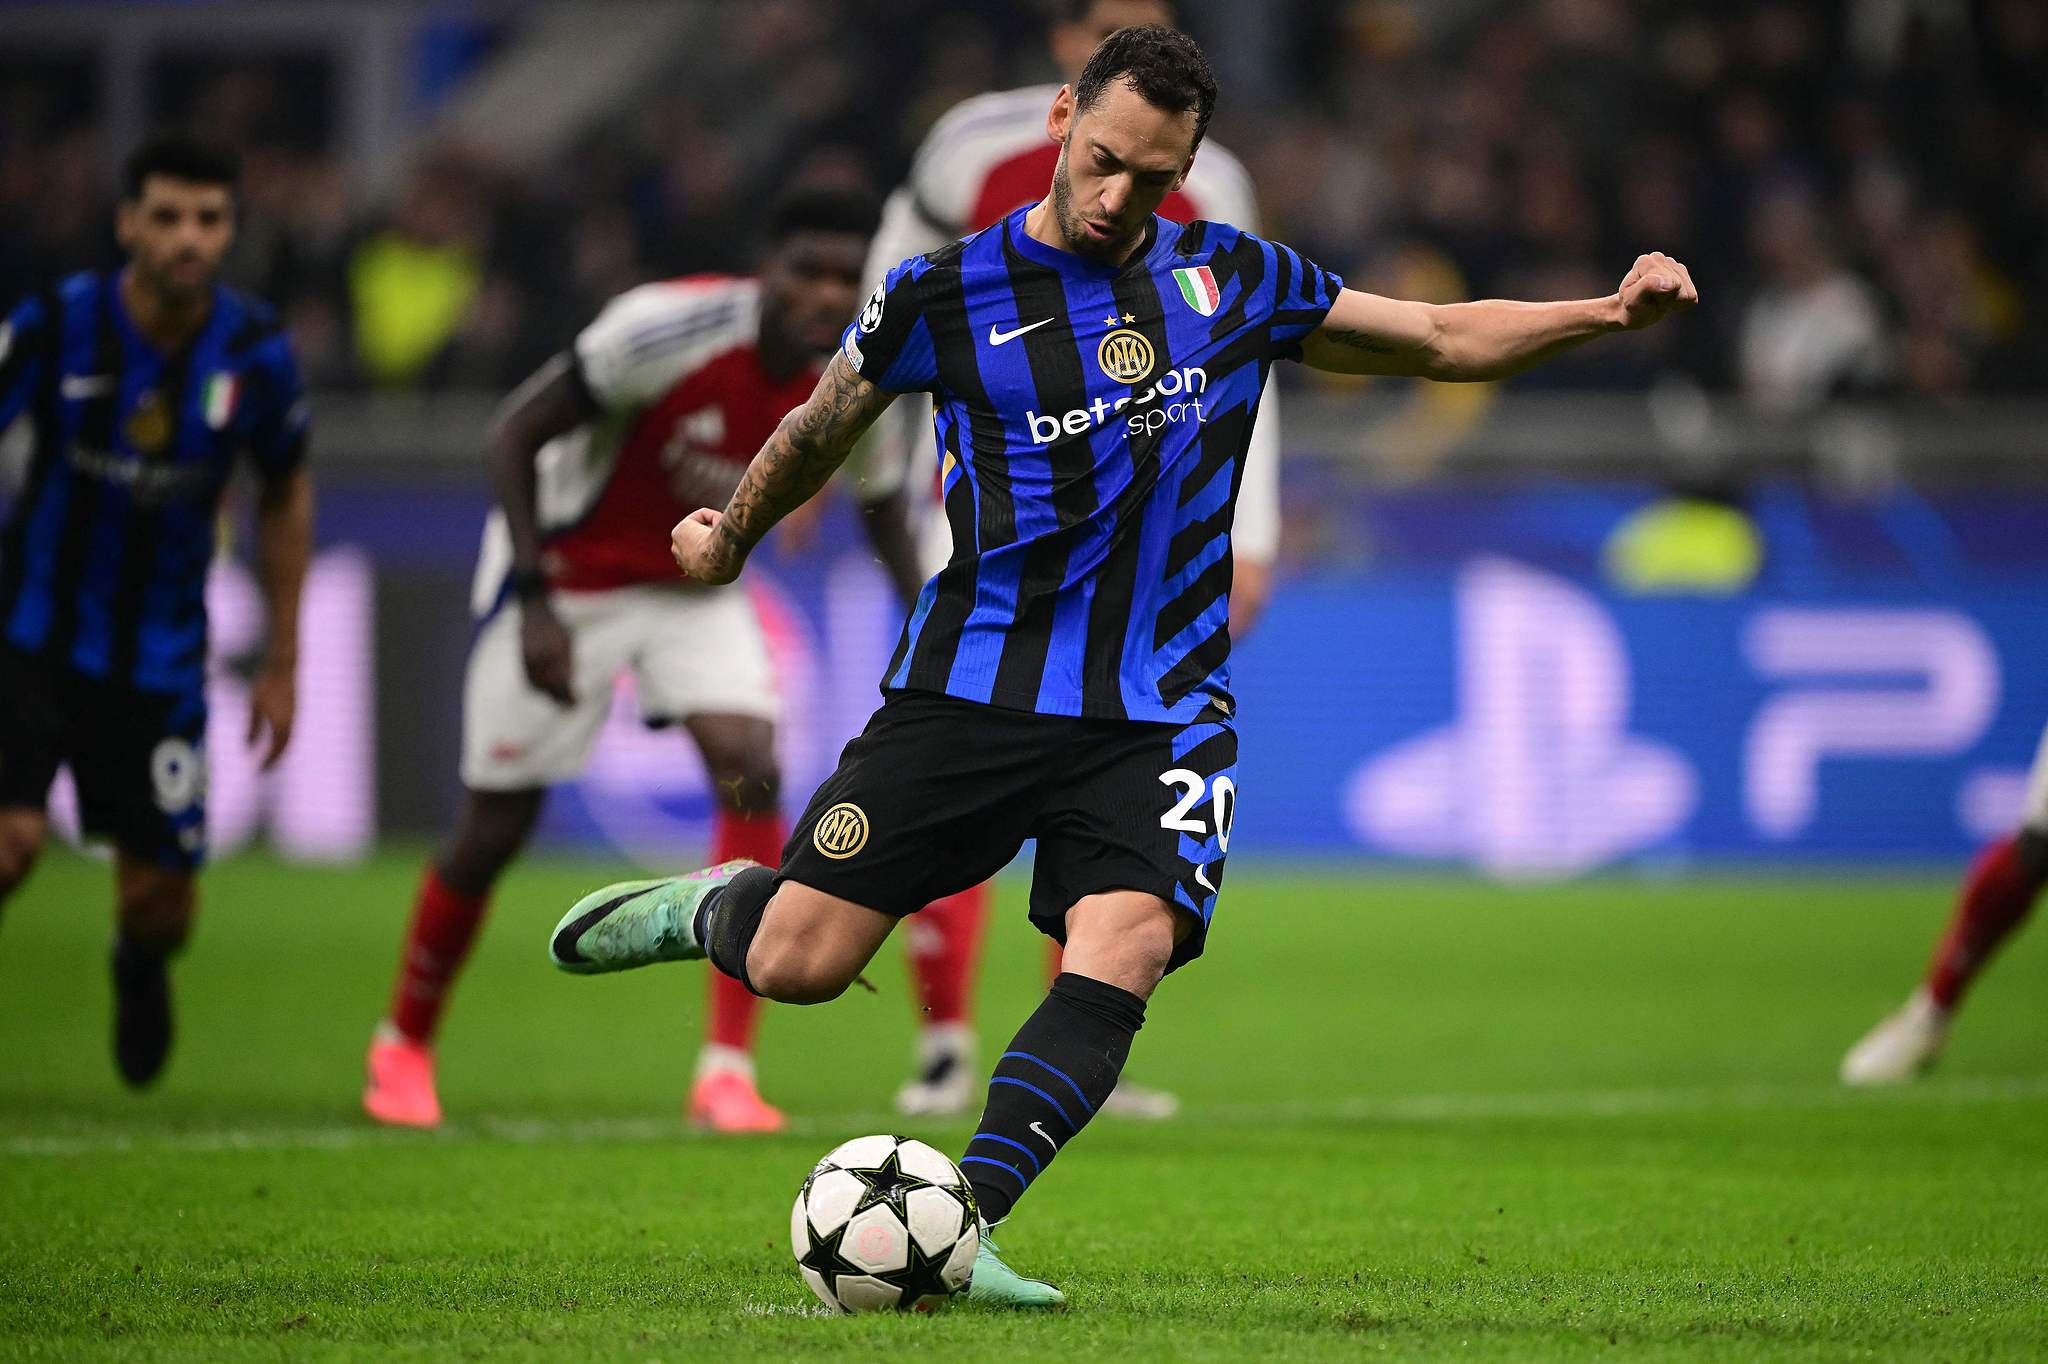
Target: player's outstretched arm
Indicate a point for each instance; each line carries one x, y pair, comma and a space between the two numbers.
812, 441
1491, 339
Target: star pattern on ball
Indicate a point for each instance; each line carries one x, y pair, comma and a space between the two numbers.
823, 1256
923, 1277
887, 1183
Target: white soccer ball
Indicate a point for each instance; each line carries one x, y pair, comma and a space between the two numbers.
885, 1223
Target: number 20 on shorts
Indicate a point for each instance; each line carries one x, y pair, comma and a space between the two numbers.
1192, 784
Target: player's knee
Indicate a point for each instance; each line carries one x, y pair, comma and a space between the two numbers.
792, 971
791, 978
1124, 939
1138, 965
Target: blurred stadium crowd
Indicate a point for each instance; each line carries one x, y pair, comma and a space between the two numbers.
1861, 186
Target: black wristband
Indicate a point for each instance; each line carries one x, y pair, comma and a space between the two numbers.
527, 583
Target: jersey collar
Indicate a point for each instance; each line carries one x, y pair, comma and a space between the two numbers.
216, 316
1013, 228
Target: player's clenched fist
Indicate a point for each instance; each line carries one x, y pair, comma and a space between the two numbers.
1655, 286
700, 551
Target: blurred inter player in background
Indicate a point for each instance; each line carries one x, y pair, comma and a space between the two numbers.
1997, 895
143, 386
1065, 678
985, 157
653, 413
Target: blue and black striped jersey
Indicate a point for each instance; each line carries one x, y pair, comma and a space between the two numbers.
1091, 423
103, 560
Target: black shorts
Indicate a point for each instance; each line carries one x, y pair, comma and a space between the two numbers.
138, 758
938, 794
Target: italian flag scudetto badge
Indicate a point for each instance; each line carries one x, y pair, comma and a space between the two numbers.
1198, 287
223, 391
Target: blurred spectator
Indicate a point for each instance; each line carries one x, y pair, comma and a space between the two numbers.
411, 284
53, 210
1412, 438
1813, 330
1535, 146
1954, 305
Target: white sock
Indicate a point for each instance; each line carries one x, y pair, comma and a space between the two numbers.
945, 1039
716, 1059
1921, 1004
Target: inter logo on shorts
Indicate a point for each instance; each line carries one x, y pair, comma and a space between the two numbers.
841, 831
1125, 356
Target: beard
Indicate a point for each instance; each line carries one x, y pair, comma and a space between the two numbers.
1071, 226
159, 278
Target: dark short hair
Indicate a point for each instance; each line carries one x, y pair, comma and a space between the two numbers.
1074, 11
1163, 65
179, 156
824, 209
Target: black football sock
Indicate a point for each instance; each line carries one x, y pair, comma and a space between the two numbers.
1057, 1071
729, 918
142, 1011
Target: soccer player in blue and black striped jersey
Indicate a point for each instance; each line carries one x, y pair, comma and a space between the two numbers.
142, 387
1095, 370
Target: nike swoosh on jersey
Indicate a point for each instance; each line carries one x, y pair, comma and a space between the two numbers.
997, 337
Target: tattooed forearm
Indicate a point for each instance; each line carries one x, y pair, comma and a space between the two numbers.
1361, 341
1367, 334
811, 442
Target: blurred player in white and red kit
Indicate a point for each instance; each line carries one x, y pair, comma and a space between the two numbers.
982, 159
1997, 894
653, 413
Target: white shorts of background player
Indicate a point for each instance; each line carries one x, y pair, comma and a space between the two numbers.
692, 651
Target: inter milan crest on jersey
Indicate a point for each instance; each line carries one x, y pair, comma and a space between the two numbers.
1198, 289
149, 425
1092, 462
107, 545
1125, 356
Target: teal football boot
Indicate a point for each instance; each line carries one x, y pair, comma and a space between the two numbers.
637, 923
995, 1284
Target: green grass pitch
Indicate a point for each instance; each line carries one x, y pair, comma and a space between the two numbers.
1426, 1119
